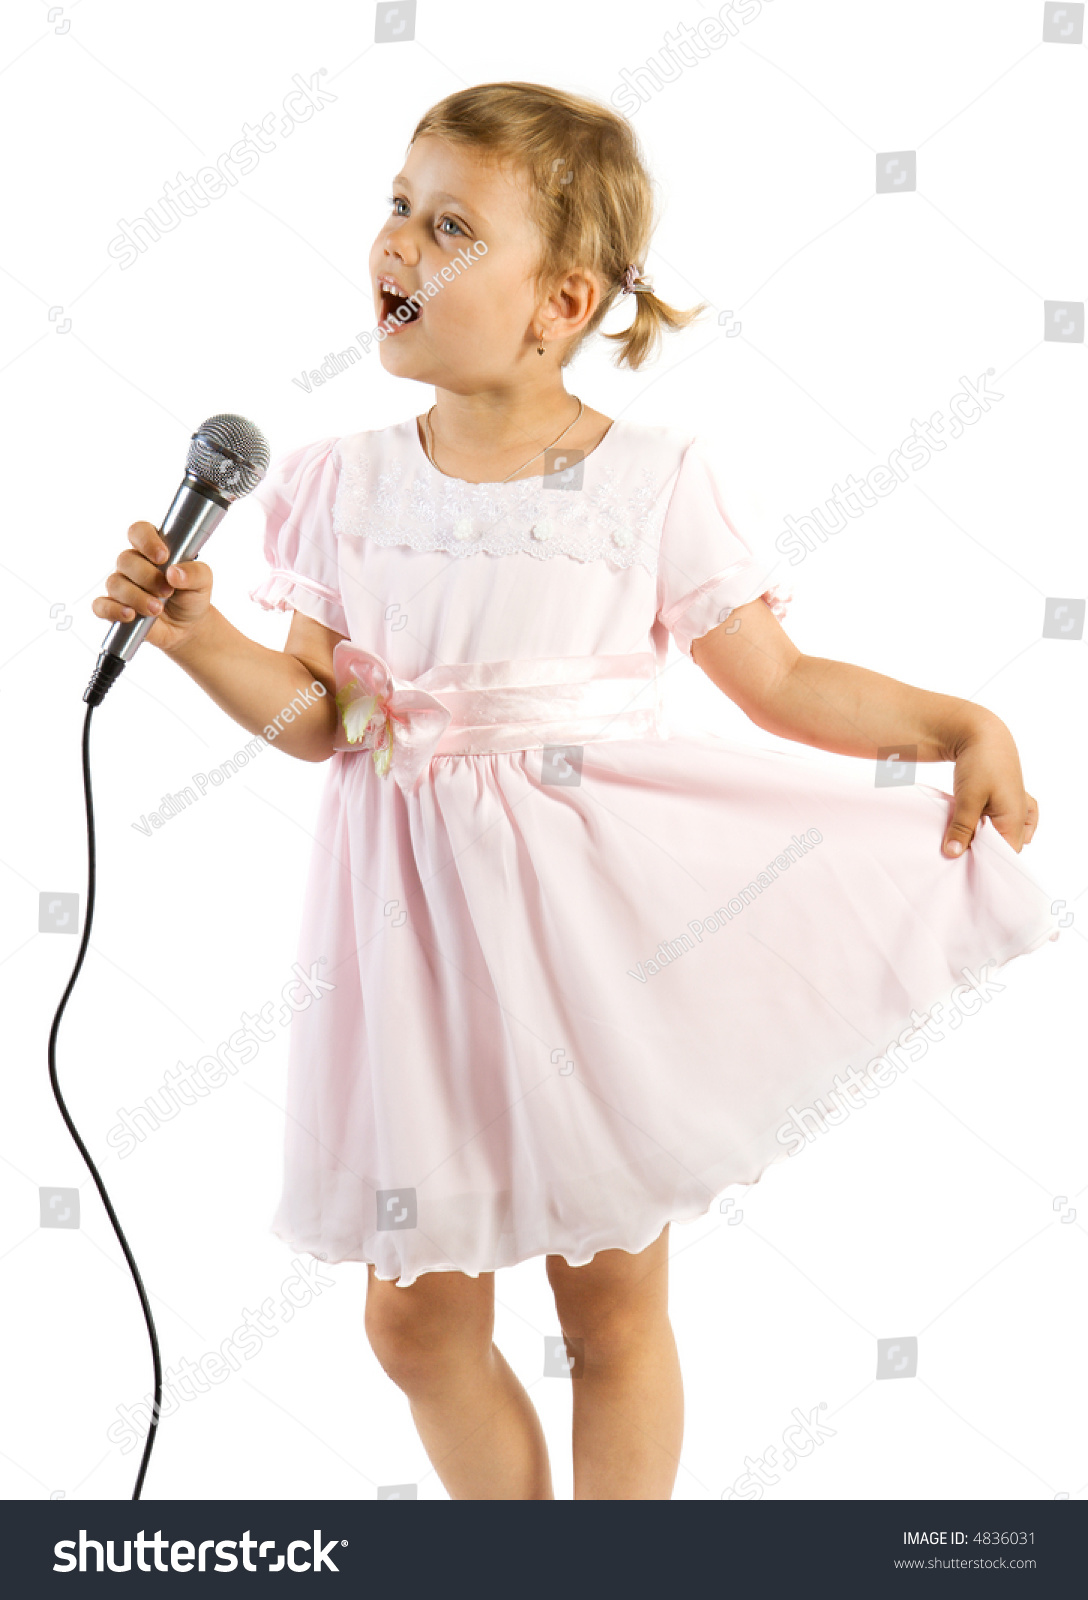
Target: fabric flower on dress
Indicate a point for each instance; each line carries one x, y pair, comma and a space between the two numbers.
366, 722
400, 726
779, 597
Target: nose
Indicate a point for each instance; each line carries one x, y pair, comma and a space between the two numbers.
400, 243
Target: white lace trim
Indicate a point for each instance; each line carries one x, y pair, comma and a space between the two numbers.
520, 518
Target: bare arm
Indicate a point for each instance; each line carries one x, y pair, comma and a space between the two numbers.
262, 688
854, 712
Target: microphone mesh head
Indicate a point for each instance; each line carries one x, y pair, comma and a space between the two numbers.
229, 454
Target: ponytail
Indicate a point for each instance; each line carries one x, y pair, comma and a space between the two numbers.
639, 340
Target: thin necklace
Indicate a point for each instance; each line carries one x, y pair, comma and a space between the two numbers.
430, 447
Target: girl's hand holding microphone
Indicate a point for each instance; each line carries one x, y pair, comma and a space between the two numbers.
249, 681
179, 599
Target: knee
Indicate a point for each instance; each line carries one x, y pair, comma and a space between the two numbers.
608, 1333
402, 1336
612, 1321
416, 1338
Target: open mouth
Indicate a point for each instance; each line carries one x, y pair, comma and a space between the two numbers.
397, 310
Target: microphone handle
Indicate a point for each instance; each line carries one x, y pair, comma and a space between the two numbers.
195, 513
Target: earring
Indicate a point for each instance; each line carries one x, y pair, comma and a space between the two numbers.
540, 346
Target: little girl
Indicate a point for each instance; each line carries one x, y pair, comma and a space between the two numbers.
583, 972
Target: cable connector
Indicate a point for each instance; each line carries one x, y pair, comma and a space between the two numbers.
106, 673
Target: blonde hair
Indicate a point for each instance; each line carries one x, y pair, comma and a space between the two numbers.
591, 196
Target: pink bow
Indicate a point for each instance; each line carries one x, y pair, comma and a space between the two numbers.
399, 726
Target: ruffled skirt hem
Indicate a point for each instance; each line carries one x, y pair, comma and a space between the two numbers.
508, 1255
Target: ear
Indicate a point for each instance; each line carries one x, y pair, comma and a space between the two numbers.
572, 303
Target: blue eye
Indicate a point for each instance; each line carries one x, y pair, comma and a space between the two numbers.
395, 200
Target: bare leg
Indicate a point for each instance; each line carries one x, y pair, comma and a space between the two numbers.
475, 1420
629, 1401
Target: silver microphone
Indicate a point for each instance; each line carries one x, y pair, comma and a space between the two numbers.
227, 459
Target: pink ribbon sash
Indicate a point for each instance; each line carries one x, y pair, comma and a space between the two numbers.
481, 706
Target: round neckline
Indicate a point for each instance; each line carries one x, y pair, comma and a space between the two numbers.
497, 483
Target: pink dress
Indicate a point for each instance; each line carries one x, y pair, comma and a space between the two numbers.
585, 973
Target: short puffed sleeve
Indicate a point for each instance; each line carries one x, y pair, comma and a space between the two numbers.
710, 560
297, 495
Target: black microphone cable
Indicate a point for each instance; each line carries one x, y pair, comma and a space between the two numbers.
72, 1129
227, 458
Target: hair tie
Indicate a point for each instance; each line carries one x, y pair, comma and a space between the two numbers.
633, 280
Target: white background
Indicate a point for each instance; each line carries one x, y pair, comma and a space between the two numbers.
935, 1212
